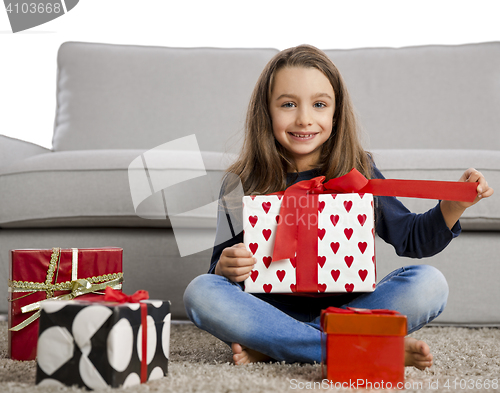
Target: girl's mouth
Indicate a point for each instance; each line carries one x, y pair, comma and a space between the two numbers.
302, 137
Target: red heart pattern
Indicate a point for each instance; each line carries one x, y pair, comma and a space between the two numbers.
343, 221
362, 246
334, 218
253, 220
253, 247
362, 219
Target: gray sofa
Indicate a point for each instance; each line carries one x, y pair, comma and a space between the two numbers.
427, 112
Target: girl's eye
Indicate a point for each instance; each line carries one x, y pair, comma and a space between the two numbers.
288, 105
320, 105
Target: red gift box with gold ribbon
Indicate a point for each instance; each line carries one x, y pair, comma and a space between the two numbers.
363, 348
37, 275
318, 236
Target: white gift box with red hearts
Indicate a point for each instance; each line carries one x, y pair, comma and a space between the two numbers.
346, 244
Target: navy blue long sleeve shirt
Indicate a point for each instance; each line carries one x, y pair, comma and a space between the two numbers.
412, 235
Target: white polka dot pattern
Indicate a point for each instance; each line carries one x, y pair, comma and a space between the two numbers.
120, 345
63, 340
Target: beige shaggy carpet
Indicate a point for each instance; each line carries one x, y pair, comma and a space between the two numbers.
464, 360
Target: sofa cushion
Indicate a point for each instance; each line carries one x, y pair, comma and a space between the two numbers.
447, 165
436, 96
138, 97
91, 188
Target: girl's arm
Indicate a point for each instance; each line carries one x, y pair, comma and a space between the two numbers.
452, 211
412, 235
229, 232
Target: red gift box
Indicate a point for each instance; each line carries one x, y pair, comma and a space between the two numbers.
36, 275
363, 348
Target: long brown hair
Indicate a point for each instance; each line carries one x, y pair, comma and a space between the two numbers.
263, 162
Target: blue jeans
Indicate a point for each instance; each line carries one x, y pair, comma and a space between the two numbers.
286, 327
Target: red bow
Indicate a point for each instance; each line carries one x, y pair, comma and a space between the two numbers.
112, 295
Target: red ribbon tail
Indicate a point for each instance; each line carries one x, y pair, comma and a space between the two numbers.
141, 294
144, 324
114, 295
426, 189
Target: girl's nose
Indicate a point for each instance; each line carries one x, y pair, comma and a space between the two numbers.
304, 117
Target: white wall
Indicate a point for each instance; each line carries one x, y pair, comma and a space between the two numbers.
28, 59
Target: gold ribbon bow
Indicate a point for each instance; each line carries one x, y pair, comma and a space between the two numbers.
77, 287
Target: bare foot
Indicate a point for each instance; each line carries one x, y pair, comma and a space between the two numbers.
243, 355
417, 353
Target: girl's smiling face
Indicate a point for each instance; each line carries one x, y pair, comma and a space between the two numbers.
302, 105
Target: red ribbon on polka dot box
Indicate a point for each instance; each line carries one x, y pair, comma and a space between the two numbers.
319, 237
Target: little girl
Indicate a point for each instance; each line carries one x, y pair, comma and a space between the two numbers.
300, 124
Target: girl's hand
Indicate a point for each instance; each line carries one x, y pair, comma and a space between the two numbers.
235, 263
483, 190
453, 210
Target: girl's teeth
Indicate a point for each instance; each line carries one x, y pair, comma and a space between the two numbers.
302, 136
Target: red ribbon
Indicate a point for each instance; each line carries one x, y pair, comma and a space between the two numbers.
112, 295
294, 239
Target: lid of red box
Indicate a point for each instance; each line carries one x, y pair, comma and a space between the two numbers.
363, 321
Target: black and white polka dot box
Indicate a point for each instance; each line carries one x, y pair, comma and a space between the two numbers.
95, 345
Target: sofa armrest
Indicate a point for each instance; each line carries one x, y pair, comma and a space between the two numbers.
13, 150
